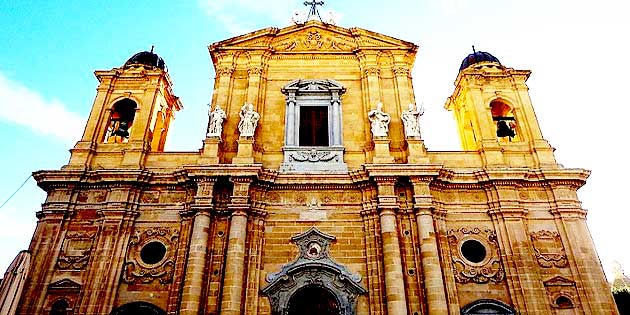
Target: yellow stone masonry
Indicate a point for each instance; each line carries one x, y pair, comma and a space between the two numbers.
260, 225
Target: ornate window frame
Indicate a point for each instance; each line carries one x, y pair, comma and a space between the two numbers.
305, 159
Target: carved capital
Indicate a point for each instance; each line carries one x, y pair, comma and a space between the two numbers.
222, 71
255, 70
371, 71
401, 71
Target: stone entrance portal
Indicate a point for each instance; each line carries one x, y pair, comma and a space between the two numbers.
313, 283
313, 300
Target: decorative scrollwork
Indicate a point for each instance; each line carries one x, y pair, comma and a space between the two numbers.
314, 40
224, 71
313, 267
548, 249
487, 267
401, 71
313, 156
76, 250
137, 269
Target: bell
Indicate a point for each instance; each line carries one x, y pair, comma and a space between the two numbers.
123, 130
503, 130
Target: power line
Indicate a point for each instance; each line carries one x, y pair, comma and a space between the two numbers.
13, 194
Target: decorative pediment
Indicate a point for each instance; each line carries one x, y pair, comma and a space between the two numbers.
313, 36
302, 85
65, 284
559, 281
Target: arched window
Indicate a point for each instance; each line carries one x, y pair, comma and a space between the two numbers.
487, 306
138, 308
313, 300
60, 307
564, 302
504, 117
120, 121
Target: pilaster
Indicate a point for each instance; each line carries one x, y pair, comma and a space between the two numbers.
526, 287
116, 220
570, 218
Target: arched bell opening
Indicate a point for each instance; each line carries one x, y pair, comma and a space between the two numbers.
503, 116
121, 119
313, 300
138, 308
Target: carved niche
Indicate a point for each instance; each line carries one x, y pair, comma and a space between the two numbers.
475, 255
75, 251
313, 268
548, 249
151, 256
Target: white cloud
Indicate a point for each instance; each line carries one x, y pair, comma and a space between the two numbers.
22, 106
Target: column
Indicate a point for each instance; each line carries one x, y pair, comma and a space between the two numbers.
198, 247
429, 255
231, 300
392, 262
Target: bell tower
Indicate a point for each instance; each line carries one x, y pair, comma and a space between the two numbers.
131, 114
495, 115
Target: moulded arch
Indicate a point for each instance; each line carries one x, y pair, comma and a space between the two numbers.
138, 308
563, 301
122, 114
501, 107
487, 306
121, 98
60, 306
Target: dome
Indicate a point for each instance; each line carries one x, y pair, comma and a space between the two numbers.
146, 58
477, 57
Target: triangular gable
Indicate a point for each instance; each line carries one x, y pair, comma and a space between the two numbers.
311, 37
559, 281
64, 284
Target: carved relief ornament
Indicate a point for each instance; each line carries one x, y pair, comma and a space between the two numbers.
548, 249
313, 267
76, 251
488, 268
314, 40
138, 270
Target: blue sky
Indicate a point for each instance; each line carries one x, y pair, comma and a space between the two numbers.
576, 49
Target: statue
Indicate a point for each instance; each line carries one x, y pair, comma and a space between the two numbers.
380, 121
215, 123
411, 120
249, 120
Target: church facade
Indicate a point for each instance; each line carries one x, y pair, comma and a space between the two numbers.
313, 193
